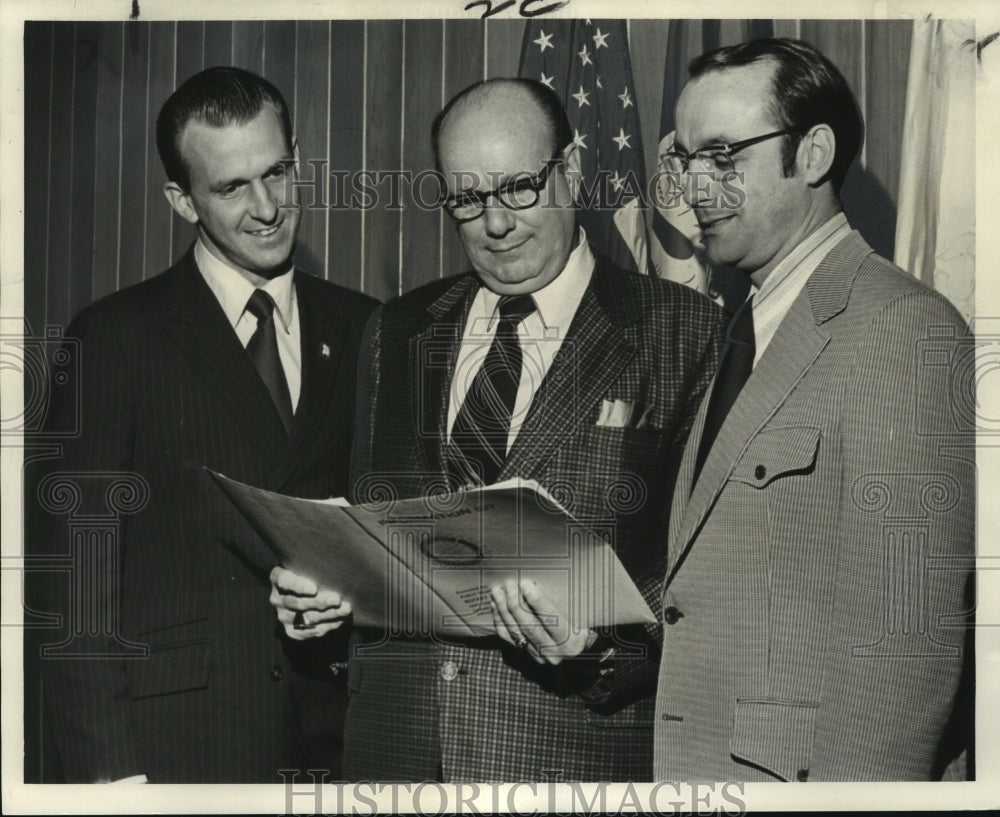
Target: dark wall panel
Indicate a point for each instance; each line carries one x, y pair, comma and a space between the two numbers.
384, 155
218, 43
347, 129
84, 145
107, 166
311, 108
248, 45
38, 43
463, 55
421, 227
160, 84
134, 122
61, 158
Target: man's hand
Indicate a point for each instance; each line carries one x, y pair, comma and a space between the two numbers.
305, 610
526, 617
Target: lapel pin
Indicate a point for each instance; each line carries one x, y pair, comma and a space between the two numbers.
325, 350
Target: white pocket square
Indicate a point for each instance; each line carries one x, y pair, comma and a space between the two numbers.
622, 414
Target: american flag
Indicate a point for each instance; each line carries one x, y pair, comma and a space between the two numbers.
587, 64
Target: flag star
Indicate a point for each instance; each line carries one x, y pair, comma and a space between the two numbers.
584, 56
617, 182
547, 80
600, 40
582, 97
626, 98
598, 81
544, 41
622, 139
579, 139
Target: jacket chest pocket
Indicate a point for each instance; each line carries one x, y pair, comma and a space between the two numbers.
776, 453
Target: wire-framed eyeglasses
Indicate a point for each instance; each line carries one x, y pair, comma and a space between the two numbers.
517, 193
716, 158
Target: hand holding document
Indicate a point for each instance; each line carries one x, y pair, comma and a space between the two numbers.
426, 565
305, 609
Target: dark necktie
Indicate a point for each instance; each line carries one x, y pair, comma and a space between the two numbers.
735, 366
263, 351
483, 422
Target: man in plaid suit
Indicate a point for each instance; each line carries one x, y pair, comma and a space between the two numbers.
821, 545
614, 366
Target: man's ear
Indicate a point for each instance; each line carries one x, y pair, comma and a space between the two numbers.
180, 201
816, 153
571, 162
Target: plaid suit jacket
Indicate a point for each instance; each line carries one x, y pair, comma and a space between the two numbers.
478, 710
819, 566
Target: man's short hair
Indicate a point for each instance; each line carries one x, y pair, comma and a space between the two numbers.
548, 104
807, 89
218, 96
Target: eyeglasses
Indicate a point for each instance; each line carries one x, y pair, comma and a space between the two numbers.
518, 193
716, 158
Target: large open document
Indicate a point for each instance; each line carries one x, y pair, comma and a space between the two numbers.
425, 566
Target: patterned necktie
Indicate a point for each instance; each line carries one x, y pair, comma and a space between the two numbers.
483, 422
263, 351
735, 366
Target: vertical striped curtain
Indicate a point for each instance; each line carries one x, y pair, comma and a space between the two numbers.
364, 94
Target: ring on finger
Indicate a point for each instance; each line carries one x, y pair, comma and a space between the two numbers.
299, 622
520, 642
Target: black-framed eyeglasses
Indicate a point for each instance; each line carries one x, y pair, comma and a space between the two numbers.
716, 158
517, 193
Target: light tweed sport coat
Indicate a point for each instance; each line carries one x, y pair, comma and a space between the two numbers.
479, 709
820, 565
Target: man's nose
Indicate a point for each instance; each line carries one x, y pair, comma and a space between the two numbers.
498, 219
699, 187
262, 207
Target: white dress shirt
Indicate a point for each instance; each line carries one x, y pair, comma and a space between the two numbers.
773, 298
233, 291
540, 334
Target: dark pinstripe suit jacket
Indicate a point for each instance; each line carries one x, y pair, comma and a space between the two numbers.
166, 388
479, 710
819, 565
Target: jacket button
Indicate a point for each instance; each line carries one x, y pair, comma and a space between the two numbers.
672, 615
802, 775
276, 673
449, 671
760, 472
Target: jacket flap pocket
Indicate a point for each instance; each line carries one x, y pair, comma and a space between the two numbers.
776, 452
178, 660
776, 736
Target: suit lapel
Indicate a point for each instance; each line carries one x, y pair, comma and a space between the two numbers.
323, 329
432, 353
199, 328
796, 346
591, 358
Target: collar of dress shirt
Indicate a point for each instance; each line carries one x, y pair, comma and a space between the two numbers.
805, 256
780, 289
558, 300
233, 290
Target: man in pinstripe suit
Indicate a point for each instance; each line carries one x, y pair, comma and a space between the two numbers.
822, 536
192, 681
612, 367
